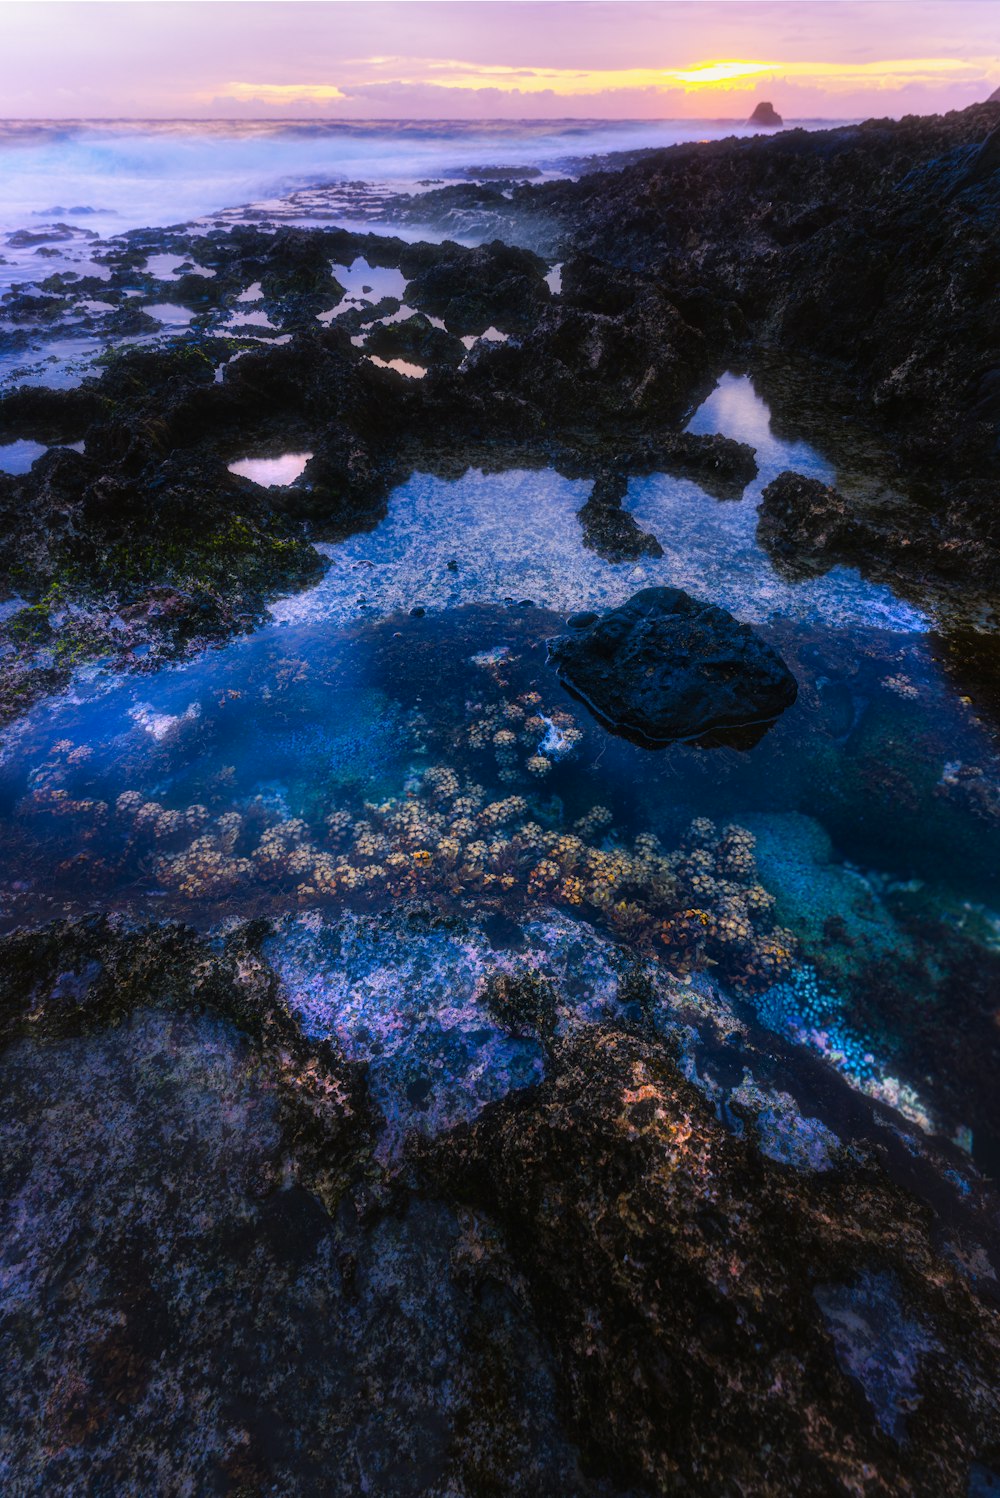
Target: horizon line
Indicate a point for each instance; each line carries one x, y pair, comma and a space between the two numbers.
401, 119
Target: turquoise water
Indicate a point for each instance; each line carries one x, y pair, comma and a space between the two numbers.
353, 754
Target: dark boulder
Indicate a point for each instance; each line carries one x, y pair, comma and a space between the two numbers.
665, 666
720, 465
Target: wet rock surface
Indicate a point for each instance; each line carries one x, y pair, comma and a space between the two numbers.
618, 1187
631, 1275
507, 1124
387, 1346
665, 666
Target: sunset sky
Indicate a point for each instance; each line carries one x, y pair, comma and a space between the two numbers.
540, 59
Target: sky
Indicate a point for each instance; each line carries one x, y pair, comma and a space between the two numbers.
480, 59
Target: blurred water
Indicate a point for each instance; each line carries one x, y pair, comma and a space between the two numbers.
113, 176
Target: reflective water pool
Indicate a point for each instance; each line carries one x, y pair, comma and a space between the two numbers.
284, 469
396, 733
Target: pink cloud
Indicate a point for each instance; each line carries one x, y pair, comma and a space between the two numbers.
168, 59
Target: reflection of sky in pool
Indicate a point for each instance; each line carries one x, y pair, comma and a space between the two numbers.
17, 457
265, 471
364, 282
490, 537
169, 313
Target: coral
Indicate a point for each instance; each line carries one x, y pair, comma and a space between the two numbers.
449, 837
509, 727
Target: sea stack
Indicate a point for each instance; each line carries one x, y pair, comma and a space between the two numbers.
765, 114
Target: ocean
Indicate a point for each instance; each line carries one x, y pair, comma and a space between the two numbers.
116, 175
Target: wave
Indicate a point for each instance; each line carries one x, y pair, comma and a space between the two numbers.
128, 174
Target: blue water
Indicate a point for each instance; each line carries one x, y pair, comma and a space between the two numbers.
242, 780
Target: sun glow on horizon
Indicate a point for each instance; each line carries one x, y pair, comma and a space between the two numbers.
425, 59
709, 73
731, 75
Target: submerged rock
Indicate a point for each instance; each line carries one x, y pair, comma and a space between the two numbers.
665, 666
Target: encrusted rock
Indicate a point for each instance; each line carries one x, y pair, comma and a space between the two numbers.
712, 1309
802, 519
611, 531
665, 666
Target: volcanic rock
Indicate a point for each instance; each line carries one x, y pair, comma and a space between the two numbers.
693, 1290
802, 519
611, 531
472, 289
416, 339
665, 666
765, 114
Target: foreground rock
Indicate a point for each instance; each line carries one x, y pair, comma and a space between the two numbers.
725, 1324
665, 666
613, 1275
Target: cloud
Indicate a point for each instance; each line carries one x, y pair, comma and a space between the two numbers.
658, 57
282, 93
449, 74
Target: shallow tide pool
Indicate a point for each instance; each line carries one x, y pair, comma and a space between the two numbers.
395, 732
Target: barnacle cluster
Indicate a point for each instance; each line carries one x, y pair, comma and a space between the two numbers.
49, 795
725, 913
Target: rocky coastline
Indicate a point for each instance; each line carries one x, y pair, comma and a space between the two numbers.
502, 1150
867, 250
